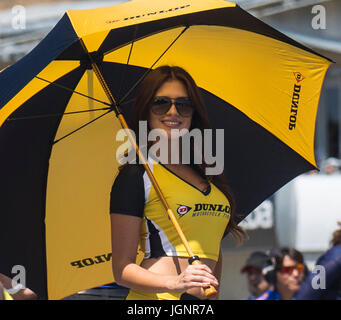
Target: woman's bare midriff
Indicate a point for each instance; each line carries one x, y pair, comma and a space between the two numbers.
174, 266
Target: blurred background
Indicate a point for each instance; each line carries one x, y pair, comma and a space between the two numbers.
304, 213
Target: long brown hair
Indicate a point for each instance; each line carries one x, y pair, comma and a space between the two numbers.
140, 111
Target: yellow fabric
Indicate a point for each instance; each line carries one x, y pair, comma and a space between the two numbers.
96, 23
202, 218
137, 295
72, 200
52, 72
7, 296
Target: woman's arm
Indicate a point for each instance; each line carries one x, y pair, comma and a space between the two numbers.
21, 294
217, 272
2, 297
125, 231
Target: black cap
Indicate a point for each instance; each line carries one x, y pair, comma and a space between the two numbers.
257, 259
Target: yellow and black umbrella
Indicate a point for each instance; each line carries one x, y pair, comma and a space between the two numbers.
58, 123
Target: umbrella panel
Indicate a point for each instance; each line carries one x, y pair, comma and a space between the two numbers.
26, 159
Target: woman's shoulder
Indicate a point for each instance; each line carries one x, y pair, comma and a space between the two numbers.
131, 170
129, 176
128, 193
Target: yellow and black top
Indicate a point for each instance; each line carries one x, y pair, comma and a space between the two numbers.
203, 216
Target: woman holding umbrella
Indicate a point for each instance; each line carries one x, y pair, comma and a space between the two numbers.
169, 99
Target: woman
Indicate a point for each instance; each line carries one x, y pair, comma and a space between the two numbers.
169, 99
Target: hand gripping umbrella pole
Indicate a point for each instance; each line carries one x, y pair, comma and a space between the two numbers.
192, 258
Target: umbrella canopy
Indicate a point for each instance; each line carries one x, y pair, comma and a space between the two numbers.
57, 128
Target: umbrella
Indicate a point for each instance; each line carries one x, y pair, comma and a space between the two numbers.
58, 123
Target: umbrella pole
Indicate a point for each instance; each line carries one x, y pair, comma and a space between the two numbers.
192, 258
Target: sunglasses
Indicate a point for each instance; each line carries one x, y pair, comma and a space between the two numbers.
289, 270
161, 105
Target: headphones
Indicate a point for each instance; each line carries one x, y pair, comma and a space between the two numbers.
269, 271
275, 261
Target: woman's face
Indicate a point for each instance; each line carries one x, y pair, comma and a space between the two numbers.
290, 280
172, 89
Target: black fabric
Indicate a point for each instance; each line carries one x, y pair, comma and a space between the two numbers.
156, 249
73, 52
127, 194
120, 79
187, 296
25, 150
247, 146
331, 262
15, 77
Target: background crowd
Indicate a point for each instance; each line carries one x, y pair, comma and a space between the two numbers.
281, 274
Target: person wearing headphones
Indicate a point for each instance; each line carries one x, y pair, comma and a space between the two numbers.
286, 274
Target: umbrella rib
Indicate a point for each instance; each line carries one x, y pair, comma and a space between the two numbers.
150, 68
129, 55
99, 76
76, 92
83, 126
62, 114
55, 114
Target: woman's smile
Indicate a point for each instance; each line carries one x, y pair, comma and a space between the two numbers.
172, 123
172, 89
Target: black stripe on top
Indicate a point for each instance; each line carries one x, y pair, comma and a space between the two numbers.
156, 249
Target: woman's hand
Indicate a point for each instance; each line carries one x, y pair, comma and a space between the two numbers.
195, 276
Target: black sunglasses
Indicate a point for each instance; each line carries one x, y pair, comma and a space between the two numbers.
161, 105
